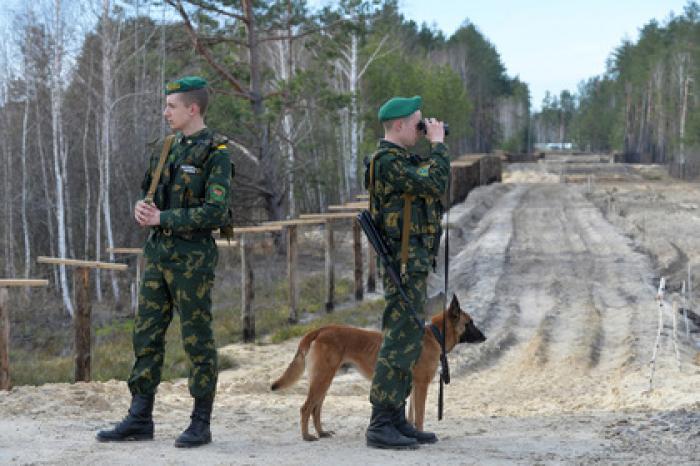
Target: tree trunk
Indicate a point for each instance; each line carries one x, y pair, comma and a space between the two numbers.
110, 41
5, 383
269, 178
83, 325
354, 136
25, 222
47, 192
685, 82
247, 291
98, 218
86, 168
57, 143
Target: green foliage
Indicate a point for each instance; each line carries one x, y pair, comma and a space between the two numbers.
597, 120
443, 95
361, 315
112, 356
637, 106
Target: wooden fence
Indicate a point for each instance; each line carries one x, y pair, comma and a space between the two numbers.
468, 172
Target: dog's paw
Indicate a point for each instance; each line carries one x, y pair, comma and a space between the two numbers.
326, 434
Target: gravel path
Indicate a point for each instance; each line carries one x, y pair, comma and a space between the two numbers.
567, 301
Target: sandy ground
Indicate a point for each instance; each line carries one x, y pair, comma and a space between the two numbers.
561, 285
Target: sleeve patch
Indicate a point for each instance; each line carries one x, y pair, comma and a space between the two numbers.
218, 192
424, 170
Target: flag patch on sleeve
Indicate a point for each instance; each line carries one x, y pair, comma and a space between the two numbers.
217, 192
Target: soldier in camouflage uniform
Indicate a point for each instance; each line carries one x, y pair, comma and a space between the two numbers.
190, 201
405, 201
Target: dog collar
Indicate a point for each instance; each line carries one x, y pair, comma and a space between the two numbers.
437, 334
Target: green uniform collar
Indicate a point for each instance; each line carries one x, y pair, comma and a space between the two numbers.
384, 144
204, 133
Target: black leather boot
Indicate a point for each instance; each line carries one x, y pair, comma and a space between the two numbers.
407, 429
137, 425
198, 432
382, 433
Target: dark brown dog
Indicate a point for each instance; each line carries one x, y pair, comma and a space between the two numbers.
331, 346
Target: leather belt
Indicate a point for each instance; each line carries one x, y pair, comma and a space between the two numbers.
163, 231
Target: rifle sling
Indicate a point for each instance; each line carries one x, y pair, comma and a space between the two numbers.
405, 233
159, 169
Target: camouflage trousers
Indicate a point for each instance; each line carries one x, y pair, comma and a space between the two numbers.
402, 343
189, 291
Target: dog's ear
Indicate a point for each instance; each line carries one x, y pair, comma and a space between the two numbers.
454, 310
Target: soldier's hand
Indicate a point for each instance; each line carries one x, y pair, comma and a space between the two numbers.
146, 215
152, 216
434, 130
140, 213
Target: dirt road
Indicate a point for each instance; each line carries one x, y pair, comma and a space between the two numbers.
567, 301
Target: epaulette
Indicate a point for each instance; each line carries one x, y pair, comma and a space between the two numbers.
219, 141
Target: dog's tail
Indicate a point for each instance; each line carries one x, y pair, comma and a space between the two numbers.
296, 368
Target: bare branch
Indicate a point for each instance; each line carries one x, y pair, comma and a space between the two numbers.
301, 34
205, 52
245, 151
375, 56
213, 40
211, 7
257, 188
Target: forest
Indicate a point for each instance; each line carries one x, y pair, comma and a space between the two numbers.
644, 106
295, 90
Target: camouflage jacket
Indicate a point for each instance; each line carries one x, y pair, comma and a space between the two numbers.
193, 191
397, 173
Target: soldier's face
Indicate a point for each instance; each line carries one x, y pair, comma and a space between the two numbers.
176, 113
410, 129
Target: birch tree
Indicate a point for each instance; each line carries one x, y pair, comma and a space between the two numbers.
351, 68
25, 135
109, 40
57, 144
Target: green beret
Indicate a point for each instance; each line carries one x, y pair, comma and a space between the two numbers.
187, 83
399, 107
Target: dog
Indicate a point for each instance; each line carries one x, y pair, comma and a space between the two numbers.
331, 346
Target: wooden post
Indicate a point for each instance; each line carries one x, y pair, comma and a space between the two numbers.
372, 269
357, 247
83, 327
136, 284
83, 314
330, 259
247, 295
292, 266
5, 383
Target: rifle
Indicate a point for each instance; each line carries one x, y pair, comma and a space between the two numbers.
384, 252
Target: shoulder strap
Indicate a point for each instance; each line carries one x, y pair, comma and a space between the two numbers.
159, 169
370, 186
405, 233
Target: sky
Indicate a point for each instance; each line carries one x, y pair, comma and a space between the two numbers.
549, 44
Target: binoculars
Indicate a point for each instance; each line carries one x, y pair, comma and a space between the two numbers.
422, 128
